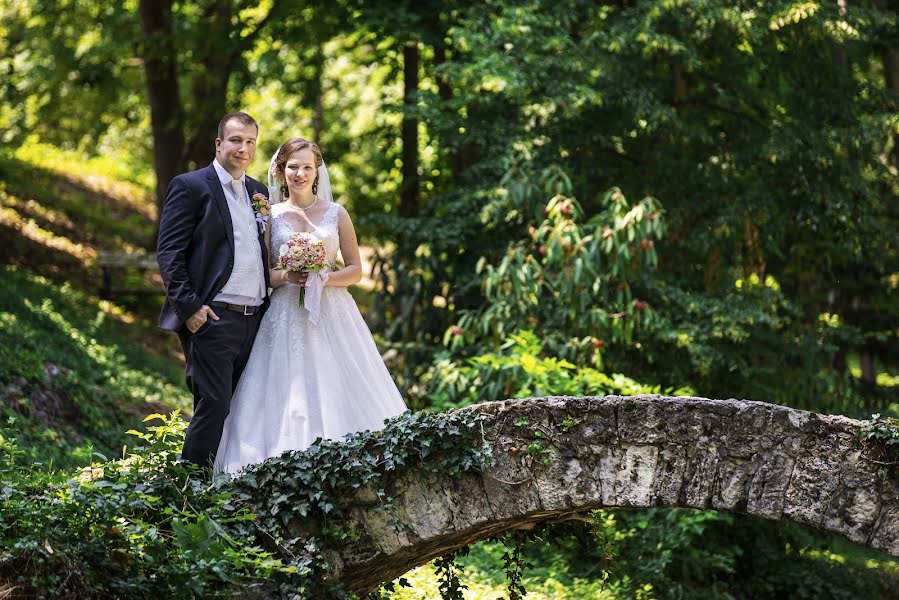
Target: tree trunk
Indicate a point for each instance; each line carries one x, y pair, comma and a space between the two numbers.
217, 52
839, 362
890, 57
753, 257
891, 75
445, 92
679, 89
318, 117
409, 194
162, 91
443, 88
866, 365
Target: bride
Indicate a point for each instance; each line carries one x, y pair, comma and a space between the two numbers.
314, 371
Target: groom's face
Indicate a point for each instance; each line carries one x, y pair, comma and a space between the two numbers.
235, 151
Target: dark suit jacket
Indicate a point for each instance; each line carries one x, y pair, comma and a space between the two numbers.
195, 248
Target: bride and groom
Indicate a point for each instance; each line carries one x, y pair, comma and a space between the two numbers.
267, 374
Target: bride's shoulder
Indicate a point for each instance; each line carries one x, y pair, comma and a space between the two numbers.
342, 214
331, 211
334, 209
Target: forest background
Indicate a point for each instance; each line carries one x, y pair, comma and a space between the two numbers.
568, 197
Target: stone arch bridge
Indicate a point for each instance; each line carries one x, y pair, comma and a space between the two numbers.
647, 451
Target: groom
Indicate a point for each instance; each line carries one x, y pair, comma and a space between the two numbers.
213, 262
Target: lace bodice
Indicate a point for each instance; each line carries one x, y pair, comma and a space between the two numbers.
326, 230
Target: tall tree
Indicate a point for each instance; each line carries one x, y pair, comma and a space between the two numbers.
184, 124
409, 191
705, 107
63, 81
160, 55
889, 49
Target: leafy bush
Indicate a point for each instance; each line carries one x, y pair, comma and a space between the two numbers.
149, 526
144, 526
569, 281
520, 369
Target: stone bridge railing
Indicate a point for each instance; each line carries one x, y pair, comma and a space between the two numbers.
648, 451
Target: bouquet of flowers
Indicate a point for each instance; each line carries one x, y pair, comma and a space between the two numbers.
303, 252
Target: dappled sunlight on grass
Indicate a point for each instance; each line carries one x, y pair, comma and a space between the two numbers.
56, 222
32, 208
70, 372
549, 577
103, 174
34, 232
87, 208
63, 210
843, 552
138, 199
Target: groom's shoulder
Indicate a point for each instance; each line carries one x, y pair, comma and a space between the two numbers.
196, 175
192, 180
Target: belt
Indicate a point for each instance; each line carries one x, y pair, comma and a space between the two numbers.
244, 310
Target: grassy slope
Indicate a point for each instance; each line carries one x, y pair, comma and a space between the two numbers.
76, 371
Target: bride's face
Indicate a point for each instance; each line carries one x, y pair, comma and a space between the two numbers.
300, 173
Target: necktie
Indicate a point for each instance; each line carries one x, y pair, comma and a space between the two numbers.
237, 186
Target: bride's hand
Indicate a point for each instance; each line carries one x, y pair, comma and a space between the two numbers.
296, 277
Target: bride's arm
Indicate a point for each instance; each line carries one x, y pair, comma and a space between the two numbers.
276, 277
351, 273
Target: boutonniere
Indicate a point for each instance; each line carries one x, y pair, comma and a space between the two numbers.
261, 206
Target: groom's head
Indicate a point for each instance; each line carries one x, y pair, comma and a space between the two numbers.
235, 145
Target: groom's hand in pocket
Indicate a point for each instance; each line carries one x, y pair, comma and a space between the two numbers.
199, 318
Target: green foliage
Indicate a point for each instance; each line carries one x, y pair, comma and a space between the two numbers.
514, 564
751, 341
668, 554
448, 573
520, 369
69, 374
706, 108
147, 525
144, 526
671, 551
569, 281
70, 86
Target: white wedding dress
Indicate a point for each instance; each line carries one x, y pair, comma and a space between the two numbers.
305, 381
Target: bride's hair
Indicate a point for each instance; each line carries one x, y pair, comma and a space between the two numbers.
288, 149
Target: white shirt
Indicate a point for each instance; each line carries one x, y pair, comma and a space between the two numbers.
246, 285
